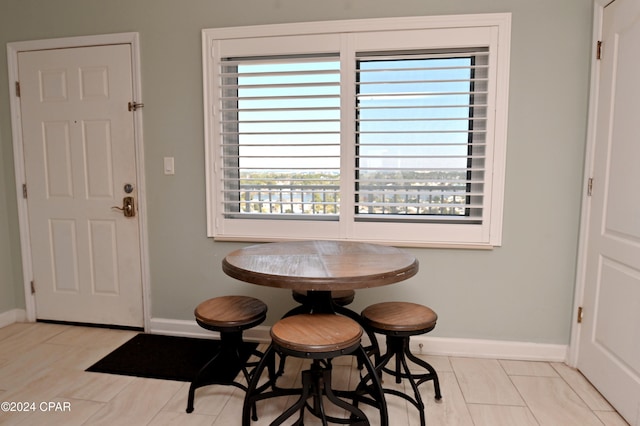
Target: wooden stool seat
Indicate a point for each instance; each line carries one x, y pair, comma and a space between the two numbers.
319, 337
339, 297
401, 317
315, 302
316, 333
398, 321
228, 315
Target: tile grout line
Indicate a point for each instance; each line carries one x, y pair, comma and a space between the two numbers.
466, 403
578, 393
520, 393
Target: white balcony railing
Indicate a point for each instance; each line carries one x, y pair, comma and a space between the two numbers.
444, 199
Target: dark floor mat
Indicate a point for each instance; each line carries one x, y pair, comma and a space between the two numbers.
169, 358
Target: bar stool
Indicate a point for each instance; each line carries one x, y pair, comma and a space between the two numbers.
321, 338
398, 321
322, 302
336, 303
228, 315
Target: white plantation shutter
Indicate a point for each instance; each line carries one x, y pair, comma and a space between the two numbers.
280, 121
383, 130
421, 135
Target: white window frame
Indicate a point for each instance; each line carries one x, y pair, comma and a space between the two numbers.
435, 32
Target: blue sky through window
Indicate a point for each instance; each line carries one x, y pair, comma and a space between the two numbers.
407, 108
289, 115
412, 107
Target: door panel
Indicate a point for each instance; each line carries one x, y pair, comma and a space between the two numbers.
619, 289
79, 152
609, 351
104, 259
64, 254
98, 159
57, 160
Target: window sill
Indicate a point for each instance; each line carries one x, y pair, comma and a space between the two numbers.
409, 244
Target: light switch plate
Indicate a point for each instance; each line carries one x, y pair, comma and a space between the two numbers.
169, 166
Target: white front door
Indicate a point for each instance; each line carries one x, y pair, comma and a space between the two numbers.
79, 153
609, 350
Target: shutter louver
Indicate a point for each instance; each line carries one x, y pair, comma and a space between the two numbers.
421, 135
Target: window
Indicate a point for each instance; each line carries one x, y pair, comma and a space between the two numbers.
390, 131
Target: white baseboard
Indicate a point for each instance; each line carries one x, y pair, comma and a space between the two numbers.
443, 346
497, 349
190, 328
14, 315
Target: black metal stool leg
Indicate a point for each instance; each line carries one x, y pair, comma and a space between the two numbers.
418, 399
252, 388
398, 349
199, 382
230, 343
357, 416
377, 393
425, 377
300, 404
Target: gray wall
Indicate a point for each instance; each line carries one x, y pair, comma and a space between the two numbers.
522, 291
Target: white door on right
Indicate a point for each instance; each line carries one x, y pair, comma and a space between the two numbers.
609, 351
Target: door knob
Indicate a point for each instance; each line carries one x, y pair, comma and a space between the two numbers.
128, 207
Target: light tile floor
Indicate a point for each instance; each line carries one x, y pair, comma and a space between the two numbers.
45, 363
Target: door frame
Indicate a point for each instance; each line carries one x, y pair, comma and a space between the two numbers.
133, 39
585, 214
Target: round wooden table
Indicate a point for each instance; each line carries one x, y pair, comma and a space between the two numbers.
320, 265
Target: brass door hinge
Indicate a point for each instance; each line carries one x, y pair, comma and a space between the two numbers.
134, 106
590, 187
599, 50
579, 315
33, 288
17, 89
24, 190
